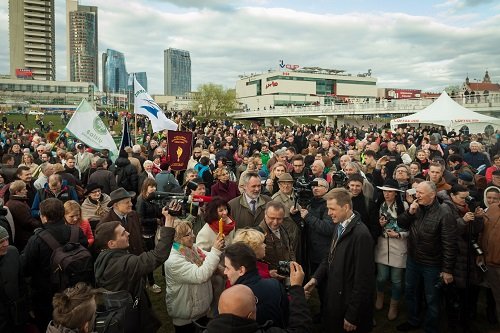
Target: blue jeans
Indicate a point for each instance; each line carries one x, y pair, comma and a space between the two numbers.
396, 274
430, 276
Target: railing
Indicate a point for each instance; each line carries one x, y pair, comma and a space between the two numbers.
485, 104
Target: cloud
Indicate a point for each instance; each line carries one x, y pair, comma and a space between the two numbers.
214, 4
403, 51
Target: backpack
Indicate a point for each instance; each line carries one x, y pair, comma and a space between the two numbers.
116, 312
70, 263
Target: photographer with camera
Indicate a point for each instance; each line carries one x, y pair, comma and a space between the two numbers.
318, 230
467, 273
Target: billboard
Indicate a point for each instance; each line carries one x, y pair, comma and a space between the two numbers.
402, 93
23, 73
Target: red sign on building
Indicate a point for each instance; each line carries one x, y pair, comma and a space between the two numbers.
23, 73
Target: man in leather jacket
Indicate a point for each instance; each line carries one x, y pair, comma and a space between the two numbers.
432, 249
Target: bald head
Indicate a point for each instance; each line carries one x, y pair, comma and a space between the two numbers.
238, 300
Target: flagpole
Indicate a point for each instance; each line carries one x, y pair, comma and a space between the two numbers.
135, 115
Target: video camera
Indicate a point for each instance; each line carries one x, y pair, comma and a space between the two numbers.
303, 191
163, 199
340, 178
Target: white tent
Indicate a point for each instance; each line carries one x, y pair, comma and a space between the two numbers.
448, 113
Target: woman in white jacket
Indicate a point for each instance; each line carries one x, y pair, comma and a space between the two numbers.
187, 272
391, 247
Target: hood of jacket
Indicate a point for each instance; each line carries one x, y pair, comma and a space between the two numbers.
122, 162
104, 273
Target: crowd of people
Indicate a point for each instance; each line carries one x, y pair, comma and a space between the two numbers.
260, 219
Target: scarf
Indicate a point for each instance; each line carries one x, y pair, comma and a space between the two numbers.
228, 227
99, 209
193, 255
391, 215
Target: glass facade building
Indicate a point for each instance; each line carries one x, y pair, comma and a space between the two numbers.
82, 46
177, 71
114, 72
141, 77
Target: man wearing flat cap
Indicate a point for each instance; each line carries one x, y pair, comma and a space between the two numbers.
286, 196
121, 210
83, 158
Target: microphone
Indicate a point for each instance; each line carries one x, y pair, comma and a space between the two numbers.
201, 198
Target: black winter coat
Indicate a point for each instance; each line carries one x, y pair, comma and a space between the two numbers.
35, 261
149, 214
433, 236
300, 319
463, 241
351, 279
10, 289
273, 302
320, 229
126, 174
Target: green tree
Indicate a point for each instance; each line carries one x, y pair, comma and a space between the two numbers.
213, 100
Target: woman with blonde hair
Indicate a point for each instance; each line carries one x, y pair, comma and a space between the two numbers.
73, 216
255, 240
188, 272
27, 161
272, 182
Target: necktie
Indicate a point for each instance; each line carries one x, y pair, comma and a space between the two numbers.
340, 230
253, 202
124, 221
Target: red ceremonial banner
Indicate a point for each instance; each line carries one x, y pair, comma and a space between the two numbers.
179, 149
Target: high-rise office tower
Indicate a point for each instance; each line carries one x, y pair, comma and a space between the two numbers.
114, 72
32, 38
141, 77
82, 53
177, 67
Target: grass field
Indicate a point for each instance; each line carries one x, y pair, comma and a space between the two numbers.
479, 325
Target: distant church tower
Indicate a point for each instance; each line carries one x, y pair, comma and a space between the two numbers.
486, 78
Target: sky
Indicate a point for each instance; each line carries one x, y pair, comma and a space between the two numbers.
423, 44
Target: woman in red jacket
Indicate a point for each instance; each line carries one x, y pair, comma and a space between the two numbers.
223, 187
73, 216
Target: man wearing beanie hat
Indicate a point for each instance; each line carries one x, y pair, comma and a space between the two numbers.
103, 177
10, 275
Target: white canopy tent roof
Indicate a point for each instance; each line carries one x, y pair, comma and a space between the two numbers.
448, 113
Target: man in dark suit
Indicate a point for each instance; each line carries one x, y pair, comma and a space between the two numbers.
349, 267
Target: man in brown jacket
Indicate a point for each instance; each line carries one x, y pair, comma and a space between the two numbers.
248, 209
24, 223
278, 244
121, 203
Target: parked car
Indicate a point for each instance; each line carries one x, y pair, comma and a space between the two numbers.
34, 113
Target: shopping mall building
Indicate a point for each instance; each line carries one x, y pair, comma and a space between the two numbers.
305, 86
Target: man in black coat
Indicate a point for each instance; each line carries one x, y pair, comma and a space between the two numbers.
349, 267
36, 259
432, 251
